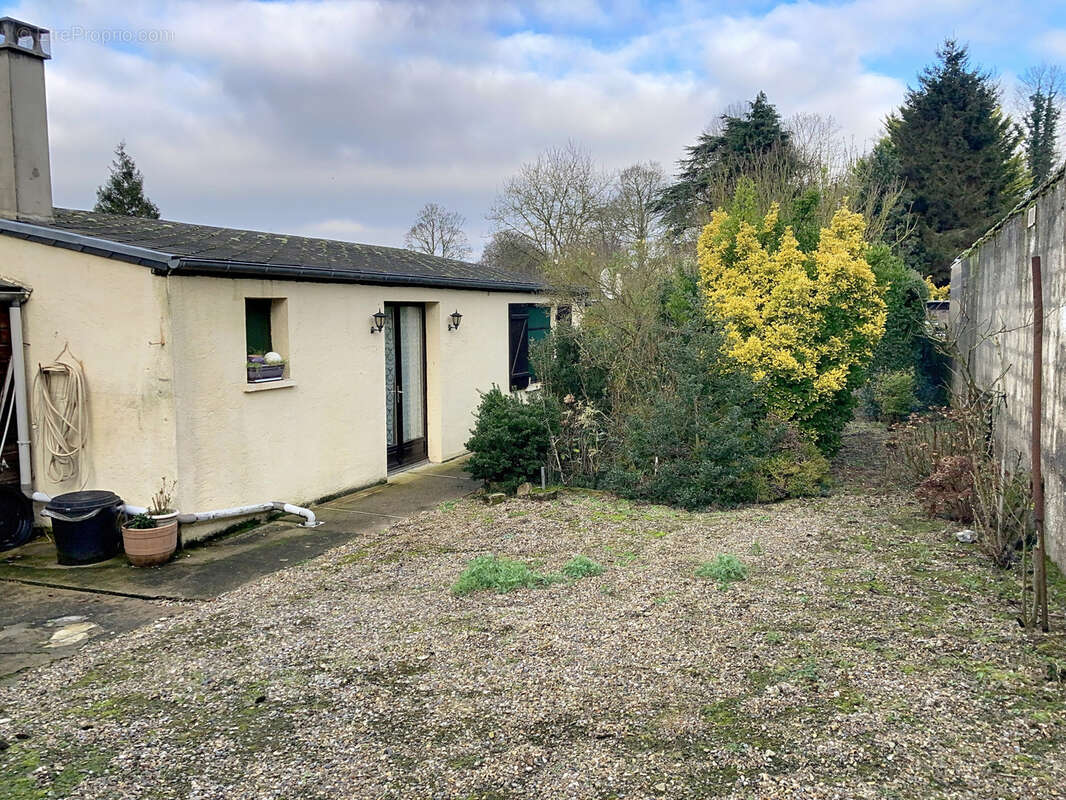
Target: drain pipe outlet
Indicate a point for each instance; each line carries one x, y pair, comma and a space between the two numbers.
300, 511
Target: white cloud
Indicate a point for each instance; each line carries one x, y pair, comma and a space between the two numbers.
343, 118
1053, 44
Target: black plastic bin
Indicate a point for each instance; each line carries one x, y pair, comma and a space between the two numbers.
16, 518
85, 526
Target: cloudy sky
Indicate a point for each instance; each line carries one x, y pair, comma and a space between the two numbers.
342, 119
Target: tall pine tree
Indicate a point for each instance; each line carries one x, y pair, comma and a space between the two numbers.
124, 191
743, 145
958, 155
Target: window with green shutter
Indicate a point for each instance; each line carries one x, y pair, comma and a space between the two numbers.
257, 325
539, 323
528, 323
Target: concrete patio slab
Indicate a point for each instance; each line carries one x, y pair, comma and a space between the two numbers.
34, 589
203, 572
33, 620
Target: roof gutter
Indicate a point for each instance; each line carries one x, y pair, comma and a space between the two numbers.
246, 269
93, 245
168, 264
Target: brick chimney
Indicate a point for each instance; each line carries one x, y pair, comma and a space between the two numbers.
25, 176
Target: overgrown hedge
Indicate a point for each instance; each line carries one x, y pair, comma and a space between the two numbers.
906, 345
681, 425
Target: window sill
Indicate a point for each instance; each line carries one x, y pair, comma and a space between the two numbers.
267, 385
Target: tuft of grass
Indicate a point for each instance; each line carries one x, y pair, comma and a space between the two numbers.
582, 567
756, 548
501, 575
725, 569
352, 558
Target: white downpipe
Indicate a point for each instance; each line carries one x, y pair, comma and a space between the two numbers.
22, 414
221, 513
243, 511
224, 513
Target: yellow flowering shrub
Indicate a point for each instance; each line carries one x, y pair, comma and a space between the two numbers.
937, 292
804, 325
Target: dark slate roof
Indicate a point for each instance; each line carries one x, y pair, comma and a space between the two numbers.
184, 248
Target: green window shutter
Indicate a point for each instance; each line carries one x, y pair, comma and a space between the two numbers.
257, 325
539, 328
539, 323
518, 345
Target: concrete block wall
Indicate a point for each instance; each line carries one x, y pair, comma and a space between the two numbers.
992, 315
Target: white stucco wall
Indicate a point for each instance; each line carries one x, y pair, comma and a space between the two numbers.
114, 317
168, 395
321, 431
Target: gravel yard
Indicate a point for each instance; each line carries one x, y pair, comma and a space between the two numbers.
867, 655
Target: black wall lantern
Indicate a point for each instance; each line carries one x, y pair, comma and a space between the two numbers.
379, 322
456, 318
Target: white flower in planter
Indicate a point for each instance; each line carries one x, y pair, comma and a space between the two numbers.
273, 358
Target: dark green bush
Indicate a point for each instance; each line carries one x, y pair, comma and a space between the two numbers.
932, 375
511, 438
561, 362
826, 420
697, 435
796, 468
906, 344
905, 316
894, 395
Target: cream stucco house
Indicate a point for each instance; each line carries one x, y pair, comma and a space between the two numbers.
163, 316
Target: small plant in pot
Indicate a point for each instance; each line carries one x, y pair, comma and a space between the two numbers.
151, 539
268, 367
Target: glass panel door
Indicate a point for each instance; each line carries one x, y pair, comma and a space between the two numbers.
405, 383
412, 371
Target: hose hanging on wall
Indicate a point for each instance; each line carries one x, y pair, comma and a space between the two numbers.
59, 404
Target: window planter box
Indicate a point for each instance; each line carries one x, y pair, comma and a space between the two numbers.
266, 372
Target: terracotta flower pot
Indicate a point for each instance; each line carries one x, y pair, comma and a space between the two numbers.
149, 547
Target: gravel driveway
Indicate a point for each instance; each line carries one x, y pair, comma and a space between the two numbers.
867, 655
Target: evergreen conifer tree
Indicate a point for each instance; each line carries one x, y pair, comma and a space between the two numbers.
124, 191
711, 168
957, 152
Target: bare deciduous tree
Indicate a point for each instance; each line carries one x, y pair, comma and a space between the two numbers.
1039, 101
438, 232
820, 143
635, 191
513, 252
554, 203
